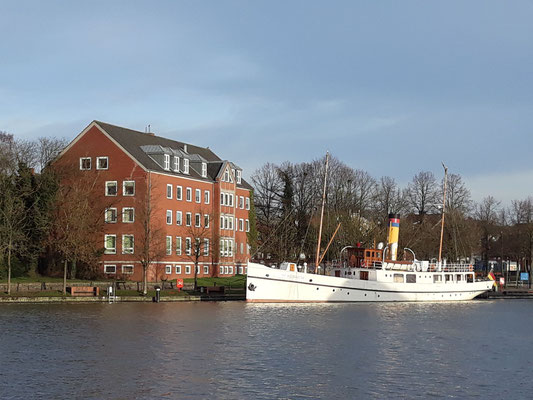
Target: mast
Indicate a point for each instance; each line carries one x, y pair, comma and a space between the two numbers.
443, 209
321, 215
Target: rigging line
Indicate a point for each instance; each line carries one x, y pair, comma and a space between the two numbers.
307, 231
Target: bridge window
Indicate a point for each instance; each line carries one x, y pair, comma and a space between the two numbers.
411, 278
398, 278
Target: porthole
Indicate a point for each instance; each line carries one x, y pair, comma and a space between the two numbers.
348, 292
316, 288
267, 275
333, 289
365, 294
310, 280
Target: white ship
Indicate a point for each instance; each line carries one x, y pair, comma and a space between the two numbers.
366, 275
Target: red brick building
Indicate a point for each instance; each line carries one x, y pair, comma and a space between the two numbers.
189, 198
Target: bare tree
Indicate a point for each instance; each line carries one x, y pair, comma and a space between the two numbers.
422, 193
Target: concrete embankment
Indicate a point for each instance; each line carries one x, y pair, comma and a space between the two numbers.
118, 299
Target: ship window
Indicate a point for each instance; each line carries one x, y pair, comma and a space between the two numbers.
398, 278
411, 278
437, 278
458, 278
363, 275
448, 277
470, 278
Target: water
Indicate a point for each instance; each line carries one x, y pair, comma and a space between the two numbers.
236, 350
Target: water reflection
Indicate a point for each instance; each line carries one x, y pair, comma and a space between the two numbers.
239, 350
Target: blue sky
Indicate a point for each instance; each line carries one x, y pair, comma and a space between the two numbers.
391, 87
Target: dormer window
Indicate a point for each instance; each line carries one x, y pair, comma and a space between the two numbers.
167, 162
239, 176
186, 166
204, 170
226, 175
176, 164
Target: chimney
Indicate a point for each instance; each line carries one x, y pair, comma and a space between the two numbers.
394, 231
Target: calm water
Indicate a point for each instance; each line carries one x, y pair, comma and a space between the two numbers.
247, 351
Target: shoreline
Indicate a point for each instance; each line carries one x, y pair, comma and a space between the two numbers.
117, 299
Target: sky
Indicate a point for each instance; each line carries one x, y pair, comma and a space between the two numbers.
389, 87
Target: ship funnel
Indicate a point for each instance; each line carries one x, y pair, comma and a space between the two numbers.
394, 231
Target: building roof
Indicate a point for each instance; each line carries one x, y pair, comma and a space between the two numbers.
140, 144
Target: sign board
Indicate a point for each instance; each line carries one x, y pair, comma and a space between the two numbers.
179, 283
502, 281
524, 276
513, 266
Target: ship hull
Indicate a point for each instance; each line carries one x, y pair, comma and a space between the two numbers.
269, 285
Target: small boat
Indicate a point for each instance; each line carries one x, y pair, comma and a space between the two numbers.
366, 275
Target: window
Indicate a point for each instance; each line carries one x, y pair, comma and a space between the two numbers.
188, 218
247, 226
168, 269
127, 244
230, 223
128, 188
178, 218
85, 163
178, 269
110, 244
206, 221
437, 278
198, 195
169, 245
221, 270
241, 202
221, 222
189, 194
166, 166
186, 166
110, 215
169, 191
176, 164
178, 245
111, 188
179, 193
206, 247
187, 269
197, 269
197, 220
410, 278
231, 270
128, 214
221, 199
127, 269
226, 175
240, 269
242, 248
230, 247
169, 217
206, 269
110, 269
226, 270
206, 196
239, 176
204, 170
230, 200
247, 203
398, 278
101, 163
241, 224
188, 246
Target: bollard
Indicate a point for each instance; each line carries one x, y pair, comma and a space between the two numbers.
157, 294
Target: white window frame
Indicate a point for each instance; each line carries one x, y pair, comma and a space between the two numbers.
176, 164
206, 247
204, 170
247, 225
179, 193
81, 163
129, 250
179, 218
198, 195
197, 220
187, 270
109, 272
168, 269
247, 199
231, 269
226, 270
206, 220
241, 224
106, 216
168, 245
206, 269
178, 245
221, 270
124, 209
222, 203
188, 246
239, 176
125, 267
109, 184
241, 202
186, 166
169, 191
188, 194
98, 163
110, 250
207, 195
230, 225
188, 219
124, 183
178, 269
169, 217
166, 165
